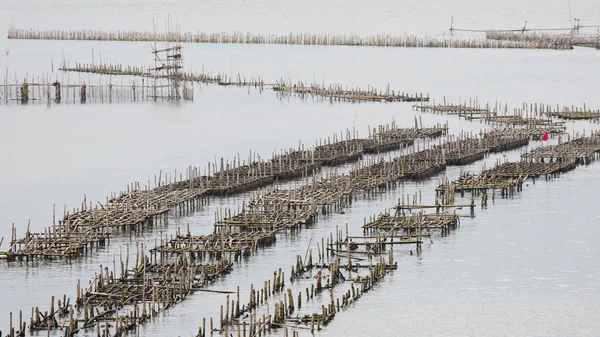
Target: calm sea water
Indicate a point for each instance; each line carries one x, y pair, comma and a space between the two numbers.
527, 266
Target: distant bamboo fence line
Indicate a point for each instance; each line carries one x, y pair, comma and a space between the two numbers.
332, 92
312, 39
545, 38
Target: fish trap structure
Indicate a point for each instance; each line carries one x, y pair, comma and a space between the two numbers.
464, 148
581, 150
141, 206
524, 170
508, 177
531, 116
412, 223
571, 113
532, 132
284, 89
480, 184
265, 218
340, 149
222, 79
338, 92
279, 210
213, 246
583, 40
391, 137
451, 109
60, 240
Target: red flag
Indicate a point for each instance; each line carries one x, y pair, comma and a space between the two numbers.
545, 137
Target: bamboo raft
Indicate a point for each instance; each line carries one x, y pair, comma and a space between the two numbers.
161, 301
310, 39
214, 245
332, 92
524, 170
280, 210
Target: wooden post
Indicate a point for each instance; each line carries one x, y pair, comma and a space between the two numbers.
83, 93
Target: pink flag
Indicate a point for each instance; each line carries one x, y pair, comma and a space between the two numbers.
545, 137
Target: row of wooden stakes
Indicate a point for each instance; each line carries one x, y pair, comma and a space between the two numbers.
310, 39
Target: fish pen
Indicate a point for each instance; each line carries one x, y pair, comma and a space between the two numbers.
532, 132
529, 115
572, 113
177, 280
411, 223
345, 148
164, 82
278, 209
480, 184
583, 150
60, 240
141, 206
582, 40
266, 218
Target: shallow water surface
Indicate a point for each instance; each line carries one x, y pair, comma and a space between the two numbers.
527, 266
